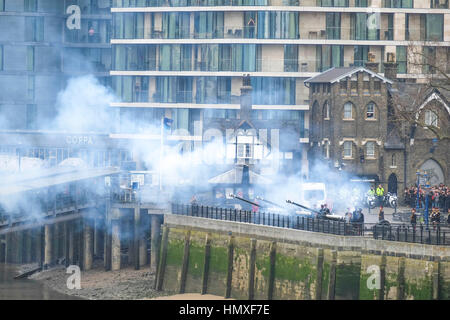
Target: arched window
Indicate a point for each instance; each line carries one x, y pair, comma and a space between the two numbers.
348, 111
431, 118
393, 161
370, 111
326, 110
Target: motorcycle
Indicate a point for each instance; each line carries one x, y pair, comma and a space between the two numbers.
389, 200
371, 201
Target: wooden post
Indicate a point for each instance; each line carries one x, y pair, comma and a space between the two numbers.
229, 266
185, 264
137, 236
319, 274
251, 273
271, 283
48, 249
115, 245
88, 255
332, 283
162, 265
206, 264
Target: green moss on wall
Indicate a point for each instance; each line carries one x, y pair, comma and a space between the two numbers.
347, 281
196, 259
263, 265
294, 269
420, 289
175, 252
218, 259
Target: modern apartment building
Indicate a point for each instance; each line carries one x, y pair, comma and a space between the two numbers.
186, 59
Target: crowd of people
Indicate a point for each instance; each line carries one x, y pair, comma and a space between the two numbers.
438, 197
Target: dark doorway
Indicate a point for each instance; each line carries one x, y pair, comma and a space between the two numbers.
392, 183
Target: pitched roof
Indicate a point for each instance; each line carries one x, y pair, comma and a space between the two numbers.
416, 95
335, 74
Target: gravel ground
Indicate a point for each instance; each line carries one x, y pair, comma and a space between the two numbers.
96, 284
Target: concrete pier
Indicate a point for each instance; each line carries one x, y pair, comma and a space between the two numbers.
48, 245
136, 237
115, 245
88, 235
39, 246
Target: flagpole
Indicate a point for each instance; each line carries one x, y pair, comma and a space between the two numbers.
161, 153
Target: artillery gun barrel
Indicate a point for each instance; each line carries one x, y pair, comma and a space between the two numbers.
270, 202
302, 206
245, 200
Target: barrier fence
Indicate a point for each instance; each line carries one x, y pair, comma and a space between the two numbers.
435, 234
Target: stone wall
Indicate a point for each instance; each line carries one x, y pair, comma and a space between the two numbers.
245, 261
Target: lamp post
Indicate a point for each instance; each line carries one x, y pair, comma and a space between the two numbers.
427, 190
418, 190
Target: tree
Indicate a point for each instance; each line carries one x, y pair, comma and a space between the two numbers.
410, 108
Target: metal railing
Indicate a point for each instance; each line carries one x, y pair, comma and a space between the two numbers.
436, 235
271, 219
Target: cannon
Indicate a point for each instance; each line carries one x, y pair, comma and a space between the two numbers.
245, 200
319, 214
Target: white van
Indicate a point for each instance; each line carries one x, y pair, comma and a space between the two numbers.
313, 194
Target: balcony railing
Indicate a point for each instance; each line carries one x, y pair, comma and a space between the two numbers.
310, 33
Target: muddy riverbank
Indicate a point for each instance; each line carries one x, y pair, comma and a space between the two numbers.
96, 284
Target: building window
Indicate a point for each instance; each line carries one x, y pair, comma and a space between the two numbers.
348, 111
370, 149
393, 161
432, 27
1, 57
333, 25
370, 111
290, 58
401, 59
334, 3
343, 86
270, 91
348, 149
31, 116
2, 5
30, 58
326, 110
377, 86
439, 4
327, 150
30, 88
431, 118
398, 3
277, 25
30, 5
329, 56
360, 54
366, 87
361, 29
34, 28
429, 60
354, 87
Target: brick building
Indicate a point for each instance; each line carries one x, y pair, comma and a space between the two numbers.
352, 126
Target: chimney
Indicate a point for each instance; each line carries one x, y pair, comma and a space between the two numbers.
390, 67
246, 98
371, 64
